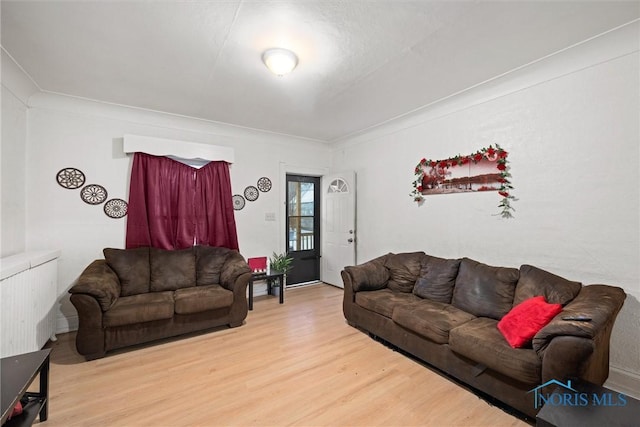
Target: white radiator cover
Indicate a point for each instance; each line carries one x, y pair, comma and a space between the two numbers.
28, 301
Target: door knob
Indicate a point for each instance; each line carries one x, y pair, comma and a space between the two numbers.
350, 240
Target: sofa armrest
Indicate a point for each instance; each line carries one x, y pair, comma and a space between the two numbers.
234, 276
371, 275
601, 303
99, 281
90, 337
234, 266
580, 349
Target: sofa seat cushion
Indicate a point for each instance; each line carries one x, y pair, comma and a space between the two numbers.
430, 319
384, 301
139, 308
481, 341
202, 298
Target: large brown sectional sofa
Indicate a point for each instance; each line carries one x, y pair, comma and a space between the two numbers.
445, 312
144, 294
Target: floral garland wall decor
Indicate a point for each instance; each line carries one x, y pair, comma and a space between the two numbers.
485, 170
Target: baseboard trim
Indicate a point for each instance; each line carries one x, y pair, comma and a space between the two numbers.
624, 382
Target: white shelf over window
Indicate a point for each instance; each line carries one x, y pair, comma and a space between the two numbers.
177, 149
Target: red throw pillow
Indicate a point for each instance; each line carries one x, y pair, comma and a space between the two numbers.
526, 319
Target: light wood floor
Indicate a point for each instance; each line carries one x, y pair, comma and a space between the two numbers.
293, 364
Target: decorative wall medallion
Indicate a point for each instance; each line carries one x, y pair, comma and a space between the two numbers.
93, 194
70, 178
264, 184
251, 193
115, 208
238, 202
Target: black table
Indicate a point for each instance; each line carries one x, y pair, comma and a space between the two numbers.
270, 278
17, 373
588, 405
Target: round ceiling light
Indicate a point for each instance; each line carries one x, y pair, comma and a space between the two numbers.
280, 61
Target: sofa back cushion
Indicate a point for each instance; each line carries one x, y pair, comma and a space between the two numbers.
536, 282
370, 276
172, 269
132, 268
437, 279
209, 262
404, 269
484, 290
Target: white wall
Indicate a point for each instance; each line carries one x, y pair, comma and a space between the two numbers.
16, 89
14, 133
67, 132
571, 126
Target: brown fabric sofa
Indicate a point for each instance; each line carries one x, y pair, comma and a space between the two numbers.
445, 312
139, 295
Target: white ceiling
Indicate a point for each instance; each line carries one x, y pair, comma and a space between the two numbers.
361, 62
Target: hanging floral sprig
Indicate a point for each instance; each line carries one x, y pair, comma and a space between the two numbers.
491, 153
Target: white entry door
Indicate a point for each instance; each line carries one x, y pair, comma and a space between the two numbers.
338, 225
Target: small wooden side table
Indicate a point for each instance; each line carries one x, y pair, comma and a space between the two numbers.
17, 373
270, 278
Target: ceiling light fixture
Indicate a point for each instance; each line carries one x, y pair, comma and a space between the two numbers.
279, 61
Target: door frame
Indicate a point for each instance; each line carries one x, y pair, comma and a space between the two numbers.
292, 169
304, 257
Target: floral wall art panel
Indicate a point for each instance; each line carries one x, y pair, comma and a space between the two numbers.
485, 170
481, 176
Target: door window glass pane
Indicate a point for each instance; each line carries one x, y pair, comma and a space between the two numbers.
294, 232
301, 233
338, 186
293, 197
306, 233
306, 199
300, 207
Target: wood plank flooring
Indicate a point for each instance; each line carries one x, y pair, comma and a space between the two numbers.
297, 364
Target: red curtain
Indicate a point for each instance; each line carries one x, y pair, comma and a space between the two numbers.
215, 221
174, 206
